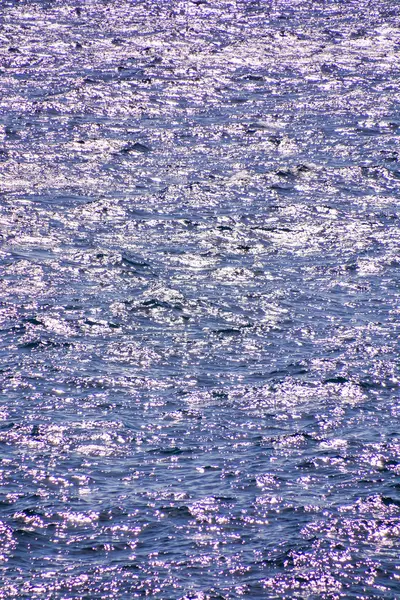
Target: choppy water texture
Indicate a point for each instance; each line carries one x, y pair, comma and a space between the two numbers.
199, 286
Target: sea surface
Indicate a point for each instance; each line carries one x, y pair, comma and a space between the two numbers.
199, 299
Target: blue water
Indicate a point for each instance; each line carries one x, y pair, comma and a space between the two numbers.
199, 299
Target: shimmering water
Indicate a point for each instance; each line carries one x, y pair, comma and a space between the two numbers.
199, 299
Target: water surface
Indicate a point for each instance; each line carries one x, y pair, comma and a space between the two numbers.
199, 299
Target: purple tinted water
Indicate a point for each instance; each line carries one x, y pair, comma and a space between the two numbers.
199, 299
